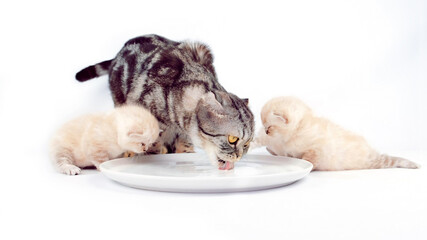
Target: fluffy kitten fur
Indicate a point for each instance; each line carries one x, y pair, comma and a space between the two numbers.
291, 129
92, 139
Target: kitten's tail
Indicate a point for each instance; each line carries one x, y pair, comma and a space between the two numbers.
386, 161
94, 71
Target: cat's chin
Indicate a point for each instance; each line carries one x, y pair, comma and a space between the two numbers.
225, 165
215, 159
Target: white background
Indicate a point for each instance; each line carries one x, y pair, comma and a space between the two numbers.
362, 64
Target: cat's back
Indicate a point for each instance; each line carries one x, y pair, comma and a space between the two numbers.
150, 41
142, 49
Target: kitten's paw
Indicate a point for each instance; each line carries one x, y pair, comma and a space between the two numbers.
128, 154
70, 169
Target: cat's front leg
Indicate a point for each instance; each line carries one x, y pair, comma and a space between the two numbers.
158, 147
128, 154
183, 145
175, 141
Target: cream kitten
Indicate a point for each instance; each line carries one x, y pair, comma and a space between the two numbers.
291, 129
92, 139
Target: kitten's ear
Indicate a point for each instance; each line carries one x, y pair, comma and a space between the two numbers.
246, 101
201, 54
282, 117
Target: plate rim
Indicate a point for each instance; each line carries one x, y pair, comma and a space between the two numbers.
304, 170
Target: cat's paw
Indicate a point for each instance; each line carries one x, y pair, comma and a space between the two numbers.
163, 150
128, 154
183, 147
70, 169
157, 148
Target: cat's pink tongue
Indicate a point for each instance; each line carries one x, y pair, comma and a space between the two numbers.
227, 166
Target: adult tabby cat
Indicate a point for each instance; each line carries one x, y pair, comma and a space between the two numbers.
176, 81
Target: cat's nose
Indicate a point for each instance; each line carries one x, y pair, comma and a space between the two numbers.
267, 131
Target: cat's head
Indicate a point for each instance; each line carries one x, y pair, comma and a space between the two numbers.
225, 127
137, 128
281, 116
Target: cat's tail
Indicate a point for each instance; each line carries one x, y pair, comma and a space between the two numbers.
386, 161
94, 71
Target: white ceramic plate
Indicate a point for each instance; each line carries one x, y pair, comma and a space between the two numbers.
192, 172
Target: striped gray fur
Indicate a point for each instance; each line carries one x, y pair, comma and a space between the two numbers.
177, 82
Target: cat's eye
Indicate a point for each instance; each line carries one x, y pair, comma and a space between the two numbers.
143, 144
232, 139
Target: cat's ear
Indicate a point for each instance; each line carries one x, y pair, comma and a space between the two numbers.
223, 98
209, 109
209, 101
282, 117
200, 53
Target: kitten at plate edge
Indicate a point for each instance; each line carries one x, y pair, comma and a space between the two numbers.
291, 129
177, 82
95, 138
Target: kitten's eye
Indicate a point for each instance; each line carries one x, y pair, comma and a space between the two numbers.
232, 139
143, 144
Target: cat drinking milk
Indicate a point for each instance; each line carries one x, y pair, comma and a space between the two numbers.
177, 83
